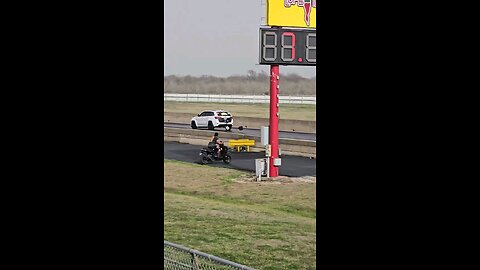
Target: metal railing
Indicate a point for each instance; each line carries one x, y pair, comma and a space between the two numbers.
237, 98
176, 257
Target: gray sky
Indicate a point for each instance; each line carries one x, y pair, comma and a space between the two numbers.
215, 37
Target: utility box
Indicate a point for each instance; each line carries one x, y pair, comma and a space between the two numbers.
277, 162
261, 168
264, 135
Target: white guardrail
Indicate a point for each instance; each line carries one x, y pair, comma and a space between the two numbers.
237, 98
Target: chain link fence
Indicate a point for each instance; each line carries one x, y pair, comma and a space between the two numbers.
176, 257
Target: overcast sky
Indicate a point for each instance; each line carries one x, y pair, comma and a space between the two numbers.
215, 37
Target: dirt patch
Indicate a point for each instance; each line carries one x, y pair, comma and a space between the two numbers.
278, 180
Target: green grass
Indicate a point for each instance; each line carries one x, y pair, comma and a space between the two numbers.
267, 225
288, 111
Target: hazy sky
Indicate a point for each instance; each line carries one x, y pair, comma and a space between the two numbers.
215, 37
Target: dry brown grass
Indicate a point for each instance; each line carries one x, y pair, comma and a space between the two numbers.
295, 196
266, 225
287, 111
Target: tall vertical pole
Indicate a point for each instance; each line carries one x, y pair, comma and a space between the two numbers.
273, 129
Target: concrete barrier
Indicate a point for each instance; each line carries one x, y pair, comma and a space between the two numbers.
202, 137
237, 98
251, 122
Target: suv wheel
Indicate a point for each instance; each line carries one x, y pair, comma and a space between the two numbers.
228, 128
210, 125
194, 126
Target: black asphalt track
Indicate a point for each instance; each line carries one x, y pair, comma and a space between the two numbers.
294, 166
256, 132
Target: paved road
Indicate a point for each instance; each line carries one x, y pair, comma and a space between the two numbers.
256, 132
291, 165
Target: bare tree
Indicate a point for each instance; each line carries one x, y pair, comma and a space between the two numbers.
251, 83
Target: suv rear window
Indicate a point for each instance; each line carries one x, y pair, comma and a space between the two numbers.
223, 114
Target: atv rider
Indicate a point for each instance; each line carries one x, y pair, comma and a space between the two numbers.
217, 144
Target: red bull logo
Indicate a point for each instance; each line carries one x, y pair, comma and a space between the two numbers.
307, 7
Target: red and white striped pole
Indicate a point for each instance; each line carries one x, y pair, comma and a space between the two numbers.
274, 116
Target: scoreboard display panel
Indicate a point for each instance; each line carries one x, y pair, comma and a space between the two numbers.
282, 46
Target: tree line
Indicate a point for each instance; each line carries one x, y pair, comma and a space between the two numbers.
252, 83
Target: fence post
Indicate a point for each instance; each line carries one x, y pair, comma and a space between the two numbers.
194, 262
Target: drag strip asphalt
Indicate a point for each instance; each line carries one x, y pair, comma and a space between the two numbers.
294, 166
255, 132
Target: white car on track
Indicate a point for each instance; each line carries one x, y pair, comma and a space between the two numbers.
212, 119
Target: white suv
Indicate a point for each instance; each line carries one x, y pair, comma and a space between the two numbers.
212, 119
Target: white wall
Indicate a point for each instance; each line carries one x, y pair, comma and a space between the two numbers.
236, 98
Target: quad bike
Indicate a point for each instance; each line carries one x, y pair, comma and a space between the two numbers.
209, 155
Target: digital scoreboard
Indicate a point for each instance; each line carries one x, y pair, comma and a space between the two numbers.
283, 46
289, 39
